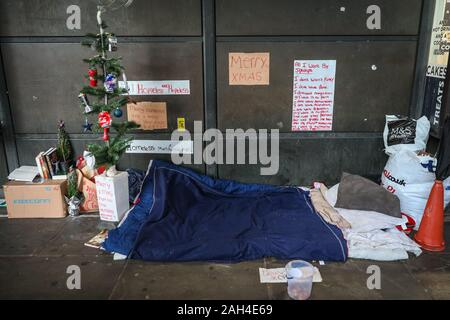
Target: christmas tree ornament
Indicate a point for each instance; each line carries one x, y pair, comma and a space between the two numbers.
87, 126
85, 102
125, 83
79, 164
118, 112
112, 43
83, 99
92, 72
110, 82
87, 109
104, 121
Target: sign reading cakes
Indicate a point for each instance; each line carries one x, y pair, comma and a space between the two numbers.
150, 115
313, 95
248, 68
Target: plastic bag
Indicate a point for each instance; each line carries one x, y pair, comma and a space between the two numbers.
403, 133
411, 178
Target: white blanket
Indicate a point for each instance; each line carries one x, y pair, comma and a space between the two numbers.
373, 235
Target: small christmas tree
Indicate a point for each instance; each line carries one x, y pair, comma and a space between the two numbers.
103, 75
63, 149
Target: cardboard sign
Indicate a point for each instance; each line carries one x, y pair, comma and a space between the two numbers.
112, 195
437, 67
161, 146
278, 275
313, 95
248, 68
151, 88
150, 115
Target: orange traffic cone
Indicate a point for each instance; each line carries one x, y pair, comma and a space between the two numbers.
431, 231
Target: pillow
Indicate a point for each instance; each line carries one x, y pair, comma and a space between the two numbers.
358, 193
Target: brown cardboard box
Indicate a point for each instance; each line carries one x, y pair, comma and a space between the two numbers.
36, 200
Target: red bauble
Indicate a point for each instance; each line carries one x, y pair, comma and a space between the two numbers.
92, 77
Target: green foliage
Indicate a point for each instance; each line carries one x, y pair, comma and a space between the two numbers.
107, 153
64, 147
72, 184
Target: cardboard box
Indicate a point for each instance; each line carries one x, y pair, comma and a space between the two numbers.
87, 187
36, 200
112, 196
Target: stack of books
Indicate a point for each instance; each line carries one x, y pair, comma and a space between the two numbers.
49, 165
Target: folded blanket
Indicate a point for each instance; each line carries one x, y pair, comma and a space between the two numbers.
374, 235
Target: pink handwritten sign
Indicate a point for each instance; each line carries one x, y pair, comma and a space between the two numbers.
313, 95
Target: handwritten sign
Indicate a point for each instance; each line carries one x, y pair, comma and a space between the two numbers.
150, 115
155, 88
112, 201
249, 68
313, 95
278, 275
160, 146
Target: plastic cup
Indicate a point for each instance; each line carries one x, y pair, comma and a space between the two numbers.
299, 275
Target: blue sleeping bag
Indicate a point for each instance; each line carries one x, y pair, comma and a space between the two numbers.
184, 216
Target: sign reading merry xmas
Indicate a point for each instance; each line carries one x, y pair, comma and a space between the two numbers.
249, 68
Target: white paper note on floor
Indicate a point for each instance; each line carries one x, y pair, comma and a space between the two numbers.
278, 275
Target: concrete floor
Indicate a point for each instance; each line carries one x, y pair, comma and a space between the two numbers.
35, 253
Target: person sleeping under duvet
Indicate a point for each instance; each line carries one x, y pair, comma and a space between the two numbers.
181, 215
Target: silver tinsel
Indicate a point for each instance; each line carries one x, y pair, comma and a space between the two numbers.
73, 205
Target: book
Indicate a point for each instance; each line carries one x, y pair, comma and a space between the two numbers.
44, 166
97, 241
60, 177
48, 156
24, 173
39, 164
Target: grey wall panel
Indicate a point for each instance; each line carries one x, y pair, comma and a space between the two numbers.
303, 161
362, 96
3, 163
142, 18
315, 17
44, 80
28, 149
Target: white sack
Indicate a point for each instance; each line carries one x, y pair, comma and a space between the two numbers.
410, 177
403, 133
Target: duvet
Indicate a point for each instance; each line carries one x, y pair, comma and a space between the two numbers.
180, 215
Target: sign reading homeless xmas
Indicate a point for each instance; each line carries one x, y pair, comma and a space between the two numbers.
248, 68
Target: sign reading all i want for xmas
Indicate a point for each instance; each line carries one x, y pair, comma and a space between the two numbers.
313, 95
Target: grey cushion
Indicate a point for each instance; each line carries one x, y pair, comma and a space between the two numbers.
358, 193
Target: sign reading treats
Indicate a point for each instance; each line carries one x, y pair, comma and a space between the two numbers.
248, 68
150, 115
313, 95
155, 88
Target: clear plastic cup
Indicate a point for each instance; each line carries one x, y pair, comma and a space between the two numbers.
299, 275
